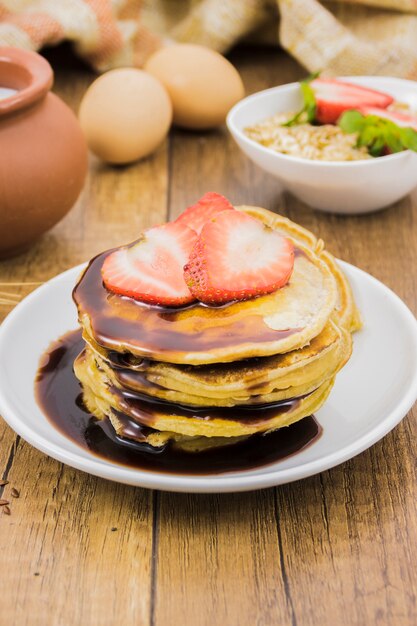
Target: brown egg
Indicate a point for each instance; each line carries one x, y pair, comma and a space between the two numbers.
125, 114
202, 84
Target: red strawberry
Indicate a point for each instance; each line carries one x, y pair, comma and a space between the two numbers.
151, 270
207, 207
335, 96
237, 257
401, 119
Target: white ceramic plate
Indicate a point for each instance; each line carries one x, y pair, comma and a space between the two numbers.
371, 395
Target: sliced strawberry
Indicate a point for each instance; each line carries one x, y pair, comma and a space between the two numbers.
401, 119
207, 207
335, 96
151, 270
237, 257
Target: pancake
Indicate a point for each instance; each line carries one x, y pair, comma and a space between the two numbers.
204, 376
284, 320
258, 381
346, 313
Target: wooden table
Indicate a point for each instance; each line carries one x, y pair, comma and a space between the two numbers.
335, 549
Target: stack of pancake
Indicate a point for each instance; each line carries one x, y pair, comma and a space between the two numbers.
203, 376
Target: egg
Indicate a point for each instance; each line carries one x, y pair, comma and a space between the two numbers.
125, 114
202, 84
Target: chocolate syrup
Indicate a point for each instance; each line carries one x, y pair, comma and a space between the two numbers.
59, 395
168, 333
142, 407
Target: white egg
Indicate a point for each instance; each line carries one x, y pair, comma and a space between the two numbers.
202, 84
125, 114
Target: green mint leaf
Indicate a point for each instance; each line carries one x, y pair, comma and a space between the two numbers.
408, 137
377, 147
378, 133
351, 122
294, 120
370, 135
393, 140
312, 76
309, 102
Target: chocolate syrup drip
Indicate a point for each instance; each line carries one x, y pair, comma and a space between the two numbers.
131, 379
126, 360
143, 329
59, 395
142, 407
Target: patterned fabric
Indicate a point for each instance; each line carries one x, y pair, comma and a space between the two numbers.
345, 37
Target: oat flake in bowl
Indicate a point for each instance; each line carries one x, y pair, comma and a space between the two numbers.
320, 143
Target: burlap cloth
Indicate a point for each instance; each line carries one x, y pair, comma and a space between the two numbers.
345, 37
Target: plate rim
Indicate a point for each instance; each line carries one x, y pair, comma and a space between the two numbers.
215, 483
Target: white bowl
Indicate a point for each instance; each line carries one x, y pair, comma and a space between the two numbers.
334, 186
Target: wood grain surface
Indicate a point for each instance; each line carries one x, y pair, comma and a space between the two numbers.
336, 549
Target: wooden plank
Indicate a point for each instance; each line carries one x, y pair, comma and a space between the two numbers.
79, 549
219, 561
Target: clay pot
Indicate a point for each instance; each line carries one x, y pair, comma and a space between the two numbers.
43, 160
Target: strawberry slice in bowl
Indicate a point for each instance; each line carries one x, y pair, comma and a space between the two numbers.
400, 119
237, 257
151, 270
334, 96
208, 206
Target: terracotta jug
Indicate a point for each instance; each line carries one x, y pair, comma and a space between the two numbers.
43, 154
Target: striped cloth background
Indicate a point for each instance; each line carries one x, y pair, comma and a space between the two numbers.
345, 37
